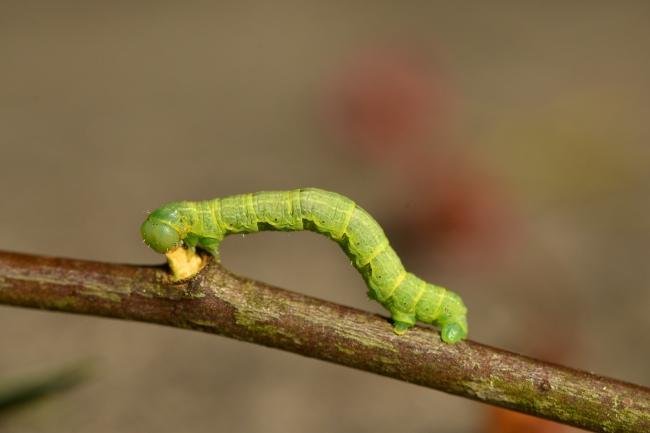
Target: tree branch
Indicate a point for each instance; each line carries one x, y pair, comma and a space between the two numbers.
219, 302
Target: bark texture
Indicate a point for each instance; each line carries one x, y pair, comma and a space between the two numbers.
219, 302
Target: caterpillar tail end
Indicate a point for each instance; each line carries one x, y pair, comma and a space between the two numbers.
454, 332
184, 263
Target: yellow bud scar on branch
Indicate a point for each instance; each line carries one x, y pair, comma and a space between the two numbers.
184, 263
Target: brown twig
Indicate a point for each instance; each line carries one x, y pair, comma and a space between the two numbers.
219, 302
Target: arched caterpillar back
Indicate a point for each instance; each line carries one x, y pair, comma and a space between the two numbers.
204, 224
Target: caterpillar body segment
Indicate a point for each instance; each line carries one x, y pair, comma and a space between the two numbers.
188, 225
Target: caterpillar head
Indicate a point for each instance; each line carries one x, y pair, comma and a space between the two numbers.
161, 230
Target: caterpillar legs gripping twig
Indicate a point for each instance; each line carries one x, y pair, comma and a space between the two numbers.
177, 229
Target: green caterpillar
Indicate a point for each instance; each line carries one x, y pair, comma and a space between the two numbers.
176, 229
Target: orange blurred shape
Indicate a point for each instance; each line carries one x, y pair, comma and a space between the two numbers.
506, 421
386, 100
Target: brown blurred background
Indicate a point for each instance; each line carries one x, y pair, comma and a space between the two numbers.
503, 146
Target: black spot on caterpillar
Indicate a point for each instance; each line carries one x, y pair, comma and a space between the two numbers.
180, 227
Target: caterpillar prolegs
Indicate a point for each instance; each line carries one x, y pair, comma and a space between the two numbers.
176, 229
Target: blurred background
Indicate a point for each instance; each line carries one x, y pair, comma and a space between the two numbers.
502, 145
